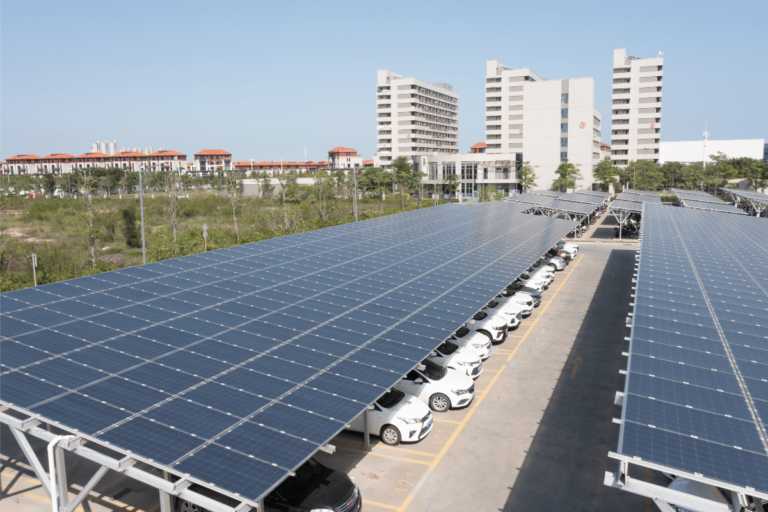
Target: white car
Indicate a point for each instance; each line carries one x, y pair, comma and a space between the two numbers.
513, 311
494, 328
538, 285
451, 355
546, 273
441, 388
396, 417
555, 262
521, 297
567, 247
516, 302
476, 341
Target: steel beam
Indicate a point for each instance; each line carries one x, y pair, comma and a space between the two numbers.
62, 486
662, 496
29, 453
87, 488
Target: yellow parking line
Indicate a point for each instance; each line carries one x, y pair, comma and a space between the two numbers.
382, 505
466, 419
377, 454
447, 421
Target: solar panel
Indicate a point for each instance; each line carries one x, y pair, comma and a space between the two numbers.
697, 196
638, 197
633, 206
718, 207
696, 397
236, 365
594, 193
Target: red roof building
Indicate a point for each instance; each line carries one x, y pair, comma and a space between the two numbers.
59, 163
367, 163
309, 166
212, 160
478, 148
344, 158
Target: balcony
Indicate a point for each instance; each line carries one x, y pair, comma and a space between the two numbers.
385, 152
384, 127
384, 145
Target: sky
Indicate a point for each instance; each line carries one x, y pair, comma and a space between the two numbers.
263, 80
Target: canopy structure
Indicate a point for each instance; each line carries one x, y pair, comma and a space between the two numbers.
551, 206
754, 202
704, 201
594, 193
229, 369
575, 197
695, 397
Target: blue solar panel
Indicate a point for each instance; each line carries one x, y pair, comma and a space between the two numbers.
696, 394
260, 353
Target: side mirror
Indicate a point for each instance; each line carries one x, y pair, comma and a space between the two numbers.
419, 381
435, 354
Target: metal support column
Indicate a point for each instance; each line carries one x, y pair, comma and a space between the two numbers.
29, 453
62, 486
165, 498
366, 434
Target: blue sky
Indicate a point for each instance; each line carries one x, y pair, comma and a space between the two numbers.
264, 79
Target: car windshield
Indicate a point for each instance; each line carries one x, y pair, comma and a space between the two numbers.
480, 315
448, 348
433, 371
305, 475
391, 398
463, 331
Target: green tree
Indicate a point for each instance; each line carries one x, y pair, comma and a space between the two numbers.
450, 183
402, 176
606, 174
49, 183
568, 176
526, 176
644, 174
378, 181
130, 230
266, 185
233, 181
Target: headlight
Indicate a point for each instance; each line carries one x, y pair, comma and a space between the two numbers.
409, 421
464, 363
321, 510
459, 391
481, 345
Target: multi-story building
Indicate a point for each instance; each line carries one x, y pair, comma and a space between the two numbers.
636, 108
545, 121
605, 151
344, 158
276, 167
415, 118
480, 147
63, 163
689, 151
473, 171
211, 161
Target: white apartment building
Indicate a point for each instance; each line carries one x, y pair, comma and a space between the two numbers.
415, 118
544, 120
636, 108
474, 170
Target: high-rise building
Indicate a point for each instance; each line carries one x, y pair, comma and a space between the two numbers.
103, 147
95, 147
545, 120
636, 108
112, 147
415, 118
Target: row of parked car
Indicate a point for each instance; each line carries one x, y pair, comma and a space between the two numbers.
443, 381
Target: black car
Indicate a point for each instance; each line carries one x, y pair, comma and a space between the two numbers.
315, 487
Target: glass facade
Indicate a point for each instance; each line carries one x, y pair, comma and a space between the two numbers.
564, 113
468, 170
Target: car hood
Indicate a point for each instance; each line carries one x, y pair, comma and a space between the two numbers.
410, 407
489, 321
455, 379
464, 355
331, 490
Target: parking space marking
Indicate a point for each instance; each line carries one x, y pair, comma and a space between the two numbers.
366, 452
479, 400
382, 505
447, 421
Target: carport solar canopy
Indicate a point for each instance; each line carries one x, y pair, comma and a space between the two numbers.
746, 194
594, 193
232, 367
696, 390
641, 192
550, 203
718, 207
563, 196
633, 206
639, 198
704, 198
694, 192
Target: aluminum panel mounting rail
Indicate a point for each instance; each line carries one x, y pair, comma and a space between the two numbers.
632, 206
639, 198
594, 193
231, 368
696, 393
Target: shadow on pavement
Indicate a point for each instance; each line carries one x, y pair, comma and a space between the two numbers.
576, 431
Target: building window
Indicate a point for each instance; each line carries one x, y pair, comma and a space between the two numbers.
563, 142
468, 171
448, 168
564, 127
564, 113
564, 98
563, 155
433, 171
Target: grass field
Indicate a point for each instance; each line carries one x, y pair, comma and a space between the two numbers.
57, 230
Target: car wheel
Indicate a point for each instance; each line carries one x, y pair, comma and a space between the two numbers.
553, 266
390, 435
185, 506
439, 402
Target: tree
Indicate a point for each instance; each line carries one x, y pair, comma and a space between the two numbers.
378, 181
568, 176
266, 185
402, 176
49, 183
644, 174
606, 174
526, 176
451, 183
85, 212
172, 210
285, 180
130, 230
234, 185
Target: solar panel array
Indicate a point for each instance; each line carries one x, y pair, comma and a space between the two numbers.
754, 196
698, 196
696, 390
554, 204
692, 192
234, 366
640, 192
548, 193
639, 198
594, 193
563, 196
633, 206
706, 205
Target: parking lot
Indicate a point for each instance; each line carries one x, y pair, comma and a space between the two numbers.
536, 435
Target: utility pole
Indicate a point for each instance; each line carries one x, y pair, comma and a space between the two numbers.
141, 203
354, 173
34, 266
704, 153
